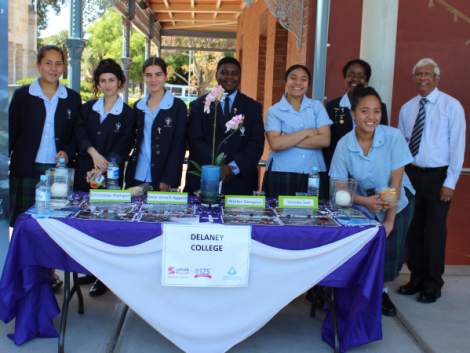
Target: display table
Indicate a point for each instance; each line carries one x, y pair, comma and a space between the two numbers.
285, 262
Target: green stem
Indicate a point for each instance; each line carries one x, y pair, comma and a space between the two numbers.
239, 126
213, 136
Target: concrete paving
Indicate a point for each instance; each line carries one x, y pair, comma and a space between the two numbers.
107, 326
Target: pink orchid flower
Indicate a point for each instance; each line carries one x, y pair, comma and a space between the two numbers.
234, 122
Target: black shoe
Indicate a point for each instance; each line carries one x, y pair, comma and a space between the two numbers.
320, 304
410, 288
56, 283
429, 295
388, 309
98, 289
87, 279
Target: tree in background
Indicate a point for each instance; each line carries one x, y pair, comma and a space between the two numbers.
105, 41
204, 63
42, 9
59, 40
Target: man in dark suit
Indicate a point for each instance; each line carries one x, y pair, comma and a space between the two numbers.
243, 149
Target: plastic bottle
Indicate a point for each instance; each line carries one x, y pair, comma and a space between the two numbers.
43, 199
313, 183
113, 175
61, 163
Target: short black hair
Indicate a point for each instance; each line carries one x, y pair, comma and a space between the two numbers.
228, 60
361, 62
361, 92
298, 66
153, 60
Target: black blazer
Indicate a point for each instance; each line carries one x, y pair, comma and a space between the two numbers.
245, 150
27, 116
168, 146
338, 130
112, 139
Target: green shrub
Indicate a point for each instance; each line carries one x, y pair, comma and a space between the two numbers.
131, 102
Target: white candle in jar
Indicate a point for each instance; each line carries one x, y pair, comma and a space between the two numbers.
343, 198
59, 190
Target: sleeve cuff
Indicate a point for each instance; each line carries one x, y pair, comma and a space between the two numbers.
449, 184
234, 164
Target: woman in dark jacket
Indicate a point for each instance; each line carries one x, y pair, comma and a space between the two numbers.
339, 109
106, 126
42, 118
161, 133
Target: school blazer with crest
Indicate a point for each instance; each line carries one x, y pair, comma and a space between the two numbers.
245, 148
27, 116
168, 146
113, 138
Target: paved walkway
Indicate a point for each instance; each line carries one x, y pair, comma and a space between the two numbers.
107, 326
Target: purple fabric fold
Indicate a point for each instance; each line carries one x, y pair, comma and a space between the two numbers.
25, 291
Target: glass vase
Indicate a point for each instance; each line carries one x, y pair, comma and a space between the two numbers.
210, 184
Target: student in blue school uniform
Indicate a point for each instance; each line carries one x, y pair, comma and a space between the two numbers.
42, 118
161, 133
375, 156
355, 72
106, 126
105, 129
297, 129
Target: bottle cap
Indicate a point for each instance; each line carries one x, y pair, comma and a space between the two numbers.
43, 177
62, 160
113, 159
314, 169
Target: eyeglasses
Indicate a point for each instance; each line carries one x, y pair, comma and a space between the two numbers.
421, 74
353, 75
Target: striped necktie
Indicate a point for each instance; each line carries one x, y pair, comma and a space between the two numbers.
418, 128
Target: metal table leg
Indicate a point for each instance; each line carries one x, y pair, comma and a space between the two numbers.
68, 294
330, 301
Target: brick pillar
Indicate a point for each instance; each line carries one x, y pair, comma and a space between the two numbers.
280, 60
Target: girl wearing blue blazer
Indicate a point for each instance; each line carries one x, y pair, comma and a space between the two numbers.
161, 133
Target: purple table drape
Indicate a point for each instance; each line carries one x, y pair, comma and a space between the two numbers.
25, 291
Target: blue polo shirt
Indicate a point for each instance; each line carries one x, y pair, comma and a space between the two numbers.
389, 151
143, 171
283, 118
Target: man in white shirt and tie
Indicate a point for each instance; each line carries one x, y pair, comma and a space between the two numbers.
434, 126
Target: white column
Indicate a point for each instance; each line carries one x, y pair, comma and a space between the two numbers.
378, 42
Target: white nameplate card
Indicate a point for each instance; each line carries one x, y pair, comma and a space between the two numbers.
110, 196
298, 201
205, 256
167, 197
245, 201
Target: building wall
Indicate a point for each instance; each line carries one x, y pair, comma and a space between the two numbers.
22, 40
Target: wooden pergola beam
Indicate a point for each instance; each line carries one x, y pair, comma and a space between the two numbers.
211, 8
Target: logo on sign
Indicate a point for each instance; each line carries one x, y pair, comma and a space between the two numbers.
202, 272
171, 270
232, 271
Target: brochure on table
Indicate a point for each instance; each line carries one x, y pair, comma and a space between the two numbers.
205, 256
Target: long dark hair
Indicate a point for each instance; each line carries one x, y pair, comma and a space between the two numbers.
361, 92
107, 66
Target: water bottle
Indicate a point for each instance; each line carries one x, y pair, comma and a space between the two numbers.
61, 163
113, 175
313, 183
43, 199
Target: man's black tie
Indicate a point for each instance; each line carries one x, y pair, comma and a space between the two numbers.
418, 128
227, 109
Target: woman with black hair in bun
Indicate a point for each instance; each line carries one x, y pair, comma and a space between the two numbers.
355, 72
375, 156
104, 131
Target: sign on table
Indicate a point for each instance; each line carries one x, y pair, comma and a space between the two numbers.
298, 201
245, 201
110, 196
205, 256
167, 197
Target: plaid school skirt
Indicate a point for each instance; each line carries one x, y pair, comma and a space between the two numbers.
288, 183
396, 251
23, 190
